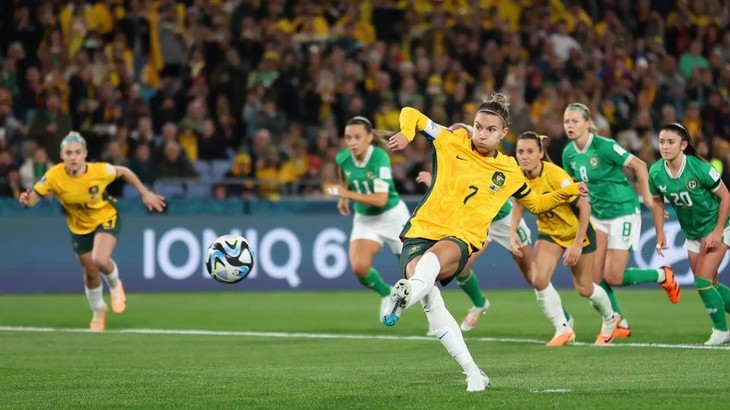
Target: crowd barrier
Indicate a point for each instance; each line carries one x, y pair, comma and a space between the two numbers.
297, 244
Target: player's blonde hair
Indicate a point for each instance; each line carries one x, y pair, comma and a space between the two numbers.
73, 136
585, 112
379, 136
497, 104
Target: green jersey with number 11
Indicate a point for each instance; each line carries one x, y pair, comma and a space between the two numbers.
601, 166
690, 193
372, 175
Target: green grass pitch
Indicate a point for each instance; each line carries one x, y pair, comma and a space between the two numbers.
327, 350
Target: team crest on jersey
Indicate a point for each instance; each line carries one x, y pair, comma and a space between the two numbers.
94, 192
692, 184
594, 162
369, 175
498, 178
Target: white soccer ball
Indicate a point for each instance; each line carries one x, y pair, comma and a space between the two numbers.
229, 259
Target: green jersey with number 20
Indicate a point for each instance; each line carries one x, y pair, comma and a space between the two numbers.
372, 175
690, 193
601, 166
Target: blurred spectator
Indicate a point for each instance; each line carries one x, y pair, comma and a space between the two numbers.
10, 185
143, 164
49, 126
34, 168
174, 164
115, 156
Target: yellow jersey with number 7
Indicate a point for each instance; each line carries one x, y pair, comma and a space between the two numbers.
468, 189
83, 197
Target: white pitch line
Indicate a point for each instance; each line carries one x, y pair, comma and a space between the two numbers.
195, 332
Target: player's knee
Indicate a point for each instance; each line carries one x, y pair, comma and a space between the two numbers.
100, 263
540, 283
361, 268
613, 278
585, 290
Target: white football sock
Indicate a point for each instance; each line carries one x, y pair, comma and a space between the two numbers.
662, 275
600, 301
95, 298
552, 306
447, 330
112, 278
427, 269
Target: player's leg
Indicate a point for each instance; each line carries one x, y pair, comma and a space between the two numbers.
451, 338
721, 288
705, 265
603, 229
365, 243
624, 237
468, 282
547, 255
83, 245
596, 295
424, 262
101, 255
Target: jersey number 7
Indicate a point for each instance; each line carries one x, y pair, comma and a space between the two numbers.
474, 189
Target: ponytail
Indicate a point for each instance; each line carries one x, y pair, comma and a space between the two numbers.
379, 136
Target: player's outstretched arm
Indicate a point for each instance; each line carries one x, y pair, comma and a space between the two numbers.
539, 203
151, 200
29, 198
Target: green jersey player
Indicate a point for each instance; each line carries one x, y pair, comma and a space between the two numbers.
600, 163
702, 202
366, 180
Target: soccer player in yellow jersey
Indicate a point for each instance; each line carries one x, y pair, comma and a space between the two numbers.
564, 231
472, 181
92, 218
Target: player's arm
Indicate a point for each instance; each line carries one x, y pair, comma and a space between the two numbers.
584, 219
412, 122
378, 198
722, 193
29, 198
518, 212
149, 198
642, 177
539, 203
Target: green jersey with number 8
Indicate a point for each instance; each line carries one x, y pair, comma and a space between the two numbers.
373, 175
690, 193
601, 166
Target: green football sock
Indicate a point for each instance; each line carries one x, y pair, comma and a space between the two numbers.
724, 292
611, 297
469, 283
373, 281
634, 276
713, 303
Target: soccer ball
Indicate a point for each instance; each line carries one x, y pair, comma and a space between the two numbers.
229, 259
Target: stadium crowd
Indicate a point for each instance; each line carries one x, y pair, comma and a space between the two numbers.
250, 97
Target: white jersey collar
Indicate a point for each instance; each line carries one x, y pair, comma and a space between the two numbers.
365, 159
681, 168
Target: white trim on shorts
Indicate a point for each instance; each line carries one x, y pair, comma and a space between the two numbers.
695, 246
499, 231
383, 228
615, 228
